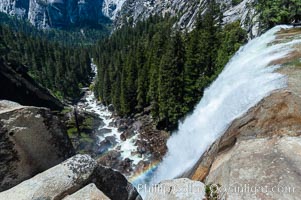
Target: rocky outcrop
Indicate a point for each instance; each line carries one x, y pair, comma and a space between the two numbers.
177, 189
114, 184
15, 80
31, 140
258, 157
56, 13
79, 177
90, 192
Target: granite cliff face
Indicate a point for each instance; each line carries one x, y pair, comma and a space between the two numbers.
63, 13
56, 13
187, 12
32, 140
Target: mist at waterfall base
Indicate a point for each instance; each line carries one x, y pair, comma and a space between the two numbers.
245, 80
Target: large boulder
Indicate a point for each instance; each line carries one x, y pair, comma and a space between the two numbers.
177, 189
31, 140
114, 184
56, 182
79, 177
90, 192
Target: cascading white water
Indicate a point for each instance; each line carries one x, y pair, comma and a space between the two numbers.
245, 81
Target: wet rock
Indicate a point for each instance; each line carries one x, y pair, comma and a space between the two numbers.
120, 121
111, 108
142, 166
127, 134
112, 124
110, 159
141, 149
122, 137
111, 139
126, 164
104, 131
122, 128
107, 143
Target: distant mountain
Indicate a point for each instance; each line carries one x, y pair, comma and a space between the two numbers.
187, 11
64, 13
56, 13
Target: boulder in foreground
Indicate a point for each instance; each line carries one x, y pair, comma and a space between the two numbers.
79, 177
32, 140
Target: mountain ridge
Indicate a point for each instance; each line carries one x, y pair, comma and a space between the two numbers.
59, 14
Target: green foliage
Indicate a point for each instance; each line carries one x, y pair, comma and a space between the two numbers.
233, 37
275, 12
213, 192
236, 2
74, 36
154, 65
62, 69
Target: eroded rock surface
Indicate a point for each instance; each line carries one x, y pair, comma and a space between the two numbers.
90, 192
31, 140
79, 177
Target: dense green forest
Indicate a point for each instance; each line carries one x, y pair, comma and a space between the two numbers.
274, 12
150, 64
62, 69
154, 65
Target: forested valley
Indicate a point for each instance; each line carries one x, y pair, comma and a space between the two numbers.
155, 65
149, 64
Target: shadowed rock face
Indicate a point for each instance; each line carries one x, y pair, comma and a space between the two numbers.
16, 85
114, 184
31, 140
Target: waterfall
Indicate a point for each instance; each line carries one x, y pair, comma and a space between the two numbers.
245, 80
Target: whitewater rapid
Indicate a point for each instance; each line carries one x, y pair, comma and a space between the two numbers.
127, 147
245, 80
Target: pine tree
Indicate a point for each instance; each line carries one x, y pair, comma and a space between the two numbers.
171, 82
